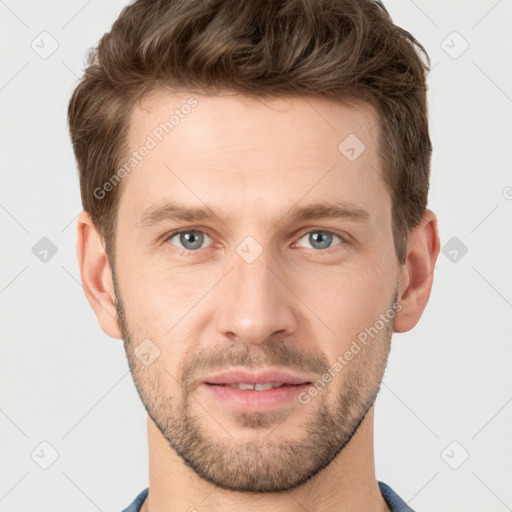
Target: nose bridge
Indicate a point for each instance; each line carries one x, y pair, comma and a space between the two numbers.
255, 302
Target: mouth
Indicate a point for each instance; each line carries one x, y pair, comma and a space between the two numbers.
255, 392
257, 386
258, 380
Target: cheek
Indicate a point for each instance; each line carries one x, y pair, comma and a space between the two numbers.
156, 298
346, 299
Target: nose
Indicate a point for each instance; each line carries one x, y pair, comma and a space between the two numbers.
256, 301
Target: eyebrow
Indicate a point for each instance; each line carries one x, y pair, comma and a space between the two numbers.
174, 211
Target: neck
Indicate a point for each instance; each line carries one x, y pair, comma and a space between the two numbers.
348, 483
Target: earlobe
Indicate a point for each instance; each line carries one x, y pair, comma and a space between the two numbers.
96, 275
418, 272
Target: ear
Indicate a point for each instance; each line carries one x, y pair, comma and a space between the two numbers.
96, 275
417, 274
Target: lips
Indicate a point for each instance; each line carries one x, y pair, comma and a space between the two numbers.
255, 387
255, 391
242, 378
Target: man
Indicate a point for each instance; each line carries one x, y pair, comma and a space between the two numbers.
254, 177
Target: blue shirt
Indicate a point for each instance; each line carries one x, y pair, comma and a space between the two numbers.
395, 503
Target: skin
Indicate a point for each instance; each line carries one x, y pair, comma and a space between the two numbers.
297, 306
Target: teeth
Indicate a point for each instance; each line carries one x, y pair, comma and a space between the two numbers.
256, 387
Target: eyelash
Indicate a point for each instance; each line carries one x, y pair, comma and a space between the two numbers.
188, 253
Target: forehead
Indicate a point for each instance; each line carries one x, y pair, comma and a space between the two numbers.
231, 151
233, 121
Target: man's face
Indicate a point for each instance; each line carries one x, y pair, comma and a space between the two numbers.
256, 287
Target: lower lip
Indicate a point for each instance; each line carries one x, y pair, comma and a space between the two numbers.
254, 401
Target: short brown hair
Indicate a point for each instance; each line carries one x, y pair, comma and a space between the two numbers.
338, 49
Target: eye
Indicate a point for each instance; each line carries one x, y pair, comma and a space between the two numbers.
193, 240
321, 240
189, 240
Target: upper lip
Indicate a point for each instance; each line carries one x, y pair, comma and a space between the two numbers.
261, 377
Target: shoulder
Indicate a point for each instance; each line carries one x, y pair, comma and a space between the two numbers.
395, 503
137, 502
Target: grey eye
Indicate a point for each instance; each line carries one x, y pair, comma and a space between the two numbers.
190, 240
321, 239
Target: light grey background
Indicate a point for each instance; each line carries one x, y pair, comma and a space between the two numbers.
64, 382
